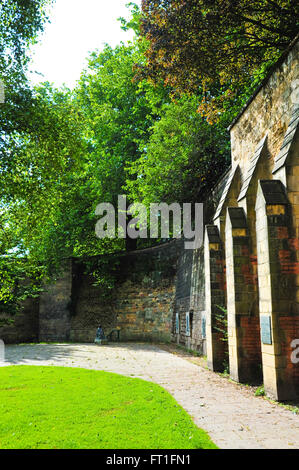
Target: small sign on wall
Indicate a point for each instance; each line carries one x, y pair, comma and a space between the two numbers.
188, 324
203, 327
177, 323
266, 330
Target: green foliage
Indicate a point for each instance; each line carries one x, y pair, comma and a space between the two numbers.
221, 325
39, 177
20, 23
18, 281
71, 157
183, 158
214, 46
67, 408
104, 271
63, 152
66, 152
49, 146
260, 391
118, 115
134, 21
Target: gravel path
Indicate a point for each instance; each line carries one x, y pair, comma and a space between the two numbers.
233, 417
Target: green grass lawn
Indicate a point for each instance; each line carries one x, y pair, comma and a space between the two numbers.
68, 408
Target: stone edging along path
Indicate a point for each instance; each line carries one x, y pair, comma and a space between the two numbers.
231, 414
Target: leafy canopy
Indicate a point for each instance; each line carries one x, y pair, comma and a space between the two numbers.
21, 21
183, 158
214, 46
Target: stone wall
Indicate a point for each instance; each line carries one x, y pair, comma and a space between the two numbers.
25, 325
255, 238
268, 111
54, 308
190, 285
140, 305
144, 301
151, 286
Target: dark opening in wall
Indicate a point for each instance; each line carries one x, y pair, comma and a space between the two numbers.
191, 320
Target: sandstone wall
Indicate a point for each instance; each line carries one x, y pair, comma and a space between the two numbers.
140, 304
268, 112
54, 308
24, 326
254, 237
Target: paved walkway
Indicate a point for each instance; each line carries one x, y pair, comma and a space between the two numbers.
232, 416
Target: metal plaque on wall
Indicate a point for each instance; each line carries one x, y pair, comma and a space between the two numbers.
266, 334
203, 328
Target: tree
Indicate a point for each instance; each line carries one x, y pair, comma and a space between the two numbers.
215, 47
119, 113
71, 157
35, 185
183, 158
20, 23
64, 152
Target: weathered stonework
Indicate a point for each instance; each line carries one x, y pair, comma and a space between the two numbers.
215, 298
24, 327
243, 321
265, 146
268, 112
229, 198
190, 297
140, 305
277, 285
54, 308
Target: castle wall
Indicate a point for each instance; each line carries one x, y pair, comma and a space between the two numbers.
257, 222
268, 113
22, 327
139, 302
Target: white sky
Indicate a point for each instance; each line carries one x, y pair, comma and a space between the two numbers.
77, 27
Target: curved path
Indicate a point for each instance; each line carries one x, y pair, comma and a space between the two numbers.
233, 417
